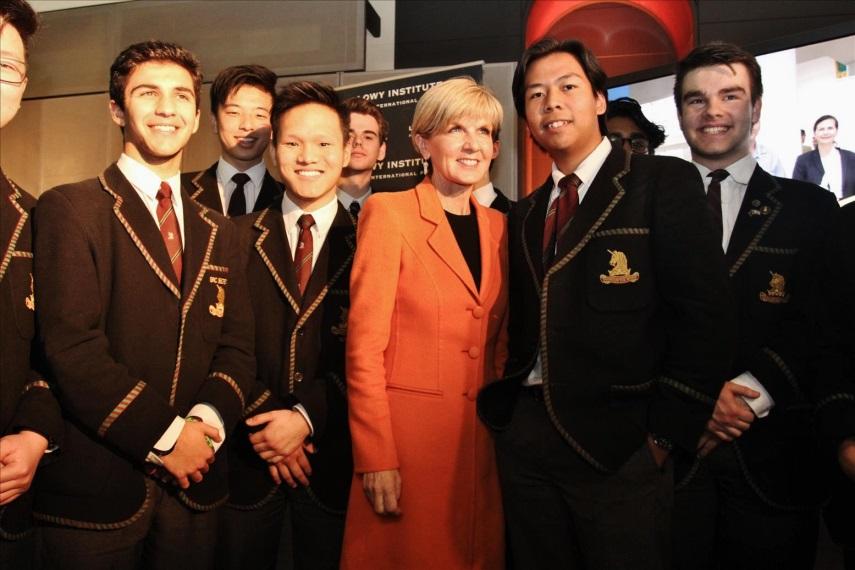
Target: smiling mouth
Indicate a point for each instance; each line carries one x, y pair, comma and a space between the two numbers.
309, 173
552, 125
168, 129
246, 141
717, 130
468, 161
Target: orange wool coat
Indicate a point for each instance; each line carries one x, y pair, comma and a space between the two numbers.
422, 340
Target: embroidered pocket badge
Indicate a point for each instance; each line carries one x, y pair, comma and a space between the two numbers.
30, 300
620, 272
776, 293
218, 309
340, 330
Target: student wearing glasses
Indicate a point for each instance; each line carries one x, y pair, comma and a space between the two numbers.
628, 126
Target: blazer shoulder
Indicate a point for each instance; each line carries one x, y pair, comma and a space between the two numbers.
83, 191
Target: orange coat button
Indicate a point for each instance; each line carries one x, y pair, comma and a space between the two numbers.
472, 394
478, 312
474, 352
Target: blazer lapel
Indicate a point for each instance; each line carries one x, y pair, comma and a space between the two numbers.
200, 233
205, 189
758, 210
336, 252
13, 217
488, 244
600, 199
442, 239
275, 251
270, 189
533, 224
141, 227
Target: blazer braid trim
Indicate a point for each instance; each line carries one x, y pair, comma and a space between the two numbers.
16, 233
276, 277
752, 246
785, 370
254, 406
623, 232
121, 407
837, 397
777, 250
234, 386
687, 390
259, 504
99, 526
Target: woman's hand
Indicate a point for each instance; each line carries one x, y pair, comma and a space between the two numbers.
383, 491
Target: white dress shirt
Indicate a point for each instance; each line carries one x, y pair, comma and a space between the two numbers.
324, 217
147, 184
251, 189
586, 171
486, 194
346, 199
832, 178
733, 190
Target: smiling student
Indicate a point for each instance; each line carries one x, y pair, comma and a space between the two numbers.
238, 183
618, 315
147, 329
300, 251
369, 131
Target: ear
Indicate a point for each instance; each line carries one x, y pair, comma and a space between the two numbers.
381, 155
422, 144
196, 121
496, 145
271, 150
601, 103
215, 126
116, 114
346, 158
756, 107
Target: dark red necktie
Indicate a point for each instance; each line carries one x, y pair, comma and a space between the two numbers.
558, 216
168, 224
714, 198
303, 255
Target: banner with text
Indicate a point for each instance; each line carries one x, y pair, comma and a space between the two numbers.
396, 98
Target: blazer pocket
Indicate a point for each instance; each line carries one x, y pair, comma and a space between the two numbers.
619, 276
23, 303
414, 390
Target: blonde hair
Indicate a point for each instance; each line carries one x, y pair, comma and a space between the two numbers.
451, 100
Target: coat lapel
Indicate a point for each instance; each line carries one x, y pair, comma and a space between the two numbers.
141, 227
270, 189
275, 251
603, 195
442, 239
13, 217
533, 223
205, 189
200, 233
758, 210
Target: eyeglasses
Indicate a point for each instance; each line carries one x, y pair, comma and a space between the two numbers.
12, 71
638, 145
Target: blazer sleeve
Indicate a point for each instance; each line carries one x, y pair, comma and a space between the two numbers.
232, 372
800, 170
374, 283
94, 388
38, 409
698, 311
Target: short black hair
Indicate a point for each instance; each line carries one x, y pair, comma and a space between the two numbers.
20, 16
718, 53
825, 118
547, 46
631, 109
233, 78
305, 92
153, 50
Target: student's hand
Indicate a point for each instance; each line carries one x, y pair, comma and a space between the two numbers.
293, 468
383, 491
660, 455
283, 435
846, 457
732, 416
20, 454
707, 443
192, 454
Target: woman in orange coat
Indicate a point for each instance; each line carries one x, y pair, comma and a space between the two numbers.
426, 331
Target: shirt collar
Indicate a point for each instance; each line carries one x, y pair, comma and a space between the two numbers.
323, 216
256, 173
143, 179
346, 199
740, 171
587, 169
485, 194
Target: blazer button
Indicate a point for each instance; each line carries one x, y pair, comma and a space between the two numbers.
478, 312
298, 376
474, 352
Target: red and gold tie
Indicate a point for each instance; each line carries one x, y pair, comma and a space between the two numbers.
168, 223
303, 256
558, 216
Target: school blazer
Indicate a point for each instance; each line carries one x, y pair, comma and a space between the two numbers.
129, 348
300, 343
632, 318
772, 263
204, 189
26, 401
